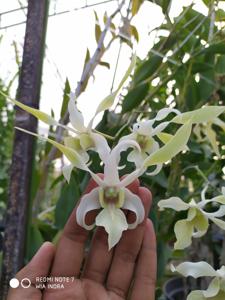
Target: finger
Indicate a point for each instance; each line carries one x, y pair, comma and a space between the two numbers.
99, 258
38, 267
126, 252
70, 249
145, 273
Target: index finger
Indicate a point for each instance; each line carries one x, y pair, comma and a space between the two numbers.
70, 249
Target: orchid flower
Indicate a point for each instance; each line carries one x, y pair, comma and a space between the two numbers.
86, 138
143, 133
215, 290
111, 196
197, 221
204, 118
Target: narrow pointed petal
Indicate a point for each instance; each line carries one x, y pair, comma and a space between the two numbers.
114, 222
111, 164
109, 100
164, 112
67, 170
172, 148
88, 202
131, 177
35, 112
204, 114
183, 231
200, 223
213, 288
196, 295
71, 154
211, 135
76, 117
160, 128
174, 202
133, 203
196, 270
218, 222
101, 146
217, 214
156, 171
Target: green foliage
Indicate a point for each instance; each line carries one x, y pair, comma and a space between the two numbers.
6, 134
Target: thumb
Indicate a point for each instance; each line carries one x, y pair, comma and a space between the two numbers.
39, 266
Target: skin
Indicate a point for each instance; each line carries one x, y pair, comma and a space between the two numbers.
128, 271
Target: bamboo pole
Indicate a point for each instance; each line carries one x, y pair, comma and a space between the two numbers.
23, 149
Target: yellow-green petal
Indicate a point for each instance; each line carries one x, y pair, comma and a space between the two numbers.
204, 114
71, 154
211, 135
35, 112
183, 231
172, 148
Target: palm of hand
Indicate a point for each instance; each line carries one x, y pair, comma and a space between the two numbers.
128, 269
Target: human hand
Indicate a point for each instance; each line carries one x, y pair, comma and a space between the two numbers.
126, 271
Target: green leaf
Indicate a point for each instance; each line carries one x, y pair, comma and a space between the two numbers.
66, 98
220, 64
172, 148
104, 64
69, 196
220, 15
134, 33
134, 97
147, 68
34, 241
97, 28
87, 59
136, 4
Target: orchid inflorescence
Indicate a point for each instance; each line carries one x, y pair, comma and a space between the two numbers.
150, 146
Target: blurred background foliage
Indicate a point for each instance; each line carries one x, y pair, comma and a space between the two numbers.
185, 69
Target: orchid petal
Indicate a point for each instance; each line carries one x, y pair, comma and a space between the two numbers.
133, 203
71, 154
174, 202
196, 295
200, 223
136, 157
42, 116
144, 127
213, 288
211, 135
204, 114
109, 100
101, 146
111, 164
218, 222
196, 270
183, 230
217, 214
166, 137
219, 123
130, 177
160, 128
67, 170
156, 171
76, 117
164, 112
88, 202
114, 222
74, 143
172, 148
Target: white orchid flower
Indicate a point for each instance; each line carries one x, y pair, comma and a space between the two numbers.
204, 119
111, 196
215, 290
143, 133
197, 221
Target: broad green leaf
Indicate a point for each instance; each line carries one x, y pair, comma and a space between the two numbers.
109, 100
172, 148
220, 64
71, 154
147, 68
204, 114
33, 111
134, 97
